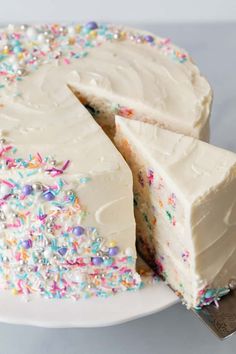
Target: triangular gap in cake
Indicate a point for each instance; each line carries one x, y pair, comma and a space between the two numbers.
104, 109
185, 208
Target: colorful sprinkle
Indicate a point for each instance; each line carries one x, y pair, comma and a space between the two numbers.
113, 251
97, 260
149, 38
78, 230
62, 251
49, 196
207, 296
27, 189
27, 244
91, 25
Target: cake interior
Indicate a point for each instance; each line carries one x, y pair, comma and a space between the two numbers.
159, 218
104, 110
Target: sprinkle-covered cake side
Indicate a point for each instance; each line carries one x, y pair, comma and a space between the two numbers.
45, 247
184, 207
61, 183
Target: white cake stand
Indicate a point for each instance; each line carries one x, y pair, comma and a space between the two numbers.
96, 312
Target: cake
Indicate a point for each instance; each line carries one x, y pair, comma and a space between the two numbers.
67, 223
185, 208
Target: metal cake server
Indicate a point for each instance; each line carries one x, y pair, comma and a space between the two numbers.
221, 320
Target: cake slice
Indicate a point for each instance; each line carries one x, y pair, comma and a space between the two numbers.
185, 208
61, 183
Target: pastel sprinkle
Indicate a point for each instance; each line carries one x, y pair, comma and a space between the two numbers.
49, 196
78, 230
27, 244
91, 25
62, 251
113, 251
27, 189
149, 38
97, 260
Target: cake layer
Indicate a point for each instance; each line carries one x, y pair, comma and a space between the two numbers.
188, 187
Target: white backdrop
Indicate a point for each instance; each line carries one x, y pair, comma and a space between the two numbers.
132, 11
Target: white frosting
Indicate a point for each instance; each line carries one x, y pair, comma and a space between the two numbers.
138, 76
203, 179
60, 127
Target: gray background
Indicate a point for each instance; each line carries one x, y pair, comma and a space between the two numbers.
174, 330
118, 11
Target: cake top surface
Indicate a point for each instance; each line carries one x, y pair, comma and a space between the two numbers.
57, 127
193, 166
132, 67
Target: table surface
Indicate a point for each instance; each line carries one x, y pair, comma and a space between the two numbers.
213, 47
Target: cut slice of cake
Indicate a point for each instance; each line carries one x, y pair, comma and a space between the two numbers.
185, 208
67, 227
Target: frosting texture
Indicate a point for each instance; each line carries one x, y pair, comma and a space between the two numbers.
128, 67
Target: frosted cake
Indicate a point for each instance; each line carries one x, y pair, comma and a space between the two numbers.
67, 224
